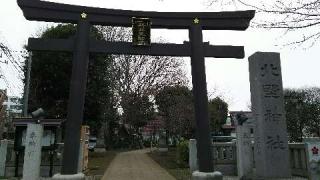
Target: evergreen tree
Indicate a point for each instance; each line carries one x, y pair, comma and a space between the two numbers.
218, 112
50, 81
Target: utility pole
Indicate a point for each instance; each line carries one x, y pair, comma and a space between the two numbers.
27, 86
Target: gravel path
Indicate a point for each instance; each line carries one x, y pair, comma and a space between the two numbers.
135, 165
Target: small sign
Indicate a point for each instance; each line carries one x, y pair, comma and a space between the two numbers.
315, 150
141, 29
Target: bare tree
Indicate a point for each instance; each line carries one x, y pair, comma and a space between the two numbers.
301, 16
141, 75
147, 74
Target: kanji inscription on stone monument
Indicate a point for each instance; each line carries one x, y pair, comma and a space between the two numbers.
32, 158
270, 133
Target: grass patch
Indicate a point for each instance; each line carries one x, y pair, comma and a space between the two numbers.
168, 162
99, 162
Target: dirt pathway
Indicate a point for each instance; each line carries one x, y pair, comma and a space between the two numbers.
135, 165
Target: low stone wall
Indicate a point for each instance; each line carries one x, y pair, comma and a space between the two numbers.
298, 159
51, 161
44, 171
225, 158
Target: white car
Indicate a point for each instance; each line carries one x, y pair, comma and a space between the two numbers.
92, 143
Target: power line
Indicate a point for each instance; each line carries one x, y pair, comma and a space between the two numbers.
8, 52
16, 67
5, 80
13, 59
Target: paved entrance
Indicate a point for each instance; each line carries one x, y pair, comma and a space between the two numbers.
237, 178
135, 165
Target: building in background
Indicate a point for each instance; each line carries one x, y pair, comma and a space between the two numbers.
152, 128
229, 128
246, 115
13, 108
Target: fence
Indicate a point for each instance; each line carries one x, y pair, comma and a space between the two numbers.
298, 159
225, 158
50, 161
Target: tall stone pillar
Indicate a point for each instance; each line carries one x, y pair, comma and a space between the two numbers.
193, 159
271, 139
32, 153
3, 156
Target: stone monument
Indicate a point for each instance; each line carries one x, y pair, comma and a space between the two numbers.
244, 125
270, 133
3, 157
81, 152
32, 156
163, 147
193, 159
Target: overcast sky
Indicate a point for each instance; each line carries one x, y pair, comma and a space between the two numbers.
226, 77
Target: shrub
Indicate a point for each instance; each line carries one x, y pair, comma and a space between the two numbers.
147, 142
182, 156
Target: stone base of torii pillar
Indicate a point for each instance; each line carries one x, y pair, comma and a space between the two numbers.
196, 175
193, 164
79, 176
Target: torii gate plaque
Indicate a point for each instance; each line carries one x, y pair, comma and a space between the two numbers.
82, 45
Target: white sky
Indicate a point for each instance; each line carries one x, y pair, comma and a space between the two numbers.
226, 77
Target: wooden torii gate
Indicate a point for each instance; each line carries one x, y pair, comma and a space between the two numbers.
82, 45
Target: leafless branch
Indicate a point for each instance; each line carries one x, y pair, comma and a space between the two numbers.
290, 15
141, 75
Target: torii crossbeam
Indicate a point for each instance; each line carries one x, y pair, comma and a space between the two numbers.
82, 45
